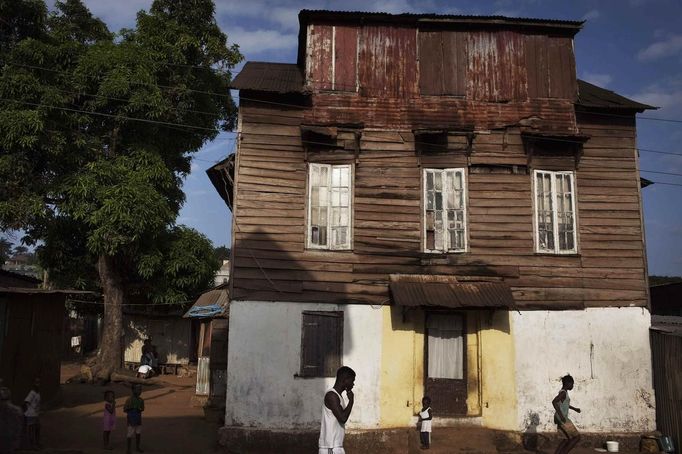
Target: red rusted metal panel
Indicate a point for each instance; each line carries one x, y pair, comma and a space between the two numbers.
562, 81
319, 61
345, 58
388, 57
496, 66
454, 63
536, 66
430, 63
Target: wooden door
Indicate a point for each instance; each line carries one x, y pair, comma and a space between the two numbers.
446, 363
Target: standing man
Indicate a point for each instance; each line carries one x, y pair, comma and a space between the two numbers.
335, 412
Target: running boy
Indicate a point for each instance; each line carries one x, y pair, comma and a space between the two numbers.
562, 404
134, 407
425, 417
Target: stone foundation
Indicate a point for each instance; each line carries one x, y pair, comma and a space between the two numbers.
239, 440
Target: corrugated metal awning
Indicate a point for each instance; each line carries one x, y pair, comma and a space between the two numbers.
442, 291
212, 303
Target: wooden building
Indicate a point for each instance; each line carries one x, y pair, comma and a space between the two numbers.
437, 202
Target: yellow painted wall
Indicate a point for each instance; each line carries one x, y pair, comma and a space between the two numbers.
402, 362
498, 387
490, 368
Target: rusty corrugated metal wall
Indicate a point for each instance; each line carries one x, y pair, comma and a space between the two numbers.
392, 76
666, 352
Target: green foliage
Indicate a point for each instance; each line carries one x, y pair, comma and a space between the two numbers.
658, 280
5, 250
96, 135
222, 253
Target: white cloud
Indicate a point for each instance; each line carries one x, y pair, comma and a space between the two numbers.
592, 15
257, 41
660, 49
117, 14
507, 13
602, 80
659, 97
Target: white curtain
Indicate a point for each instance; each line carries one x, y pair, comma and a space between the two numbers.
446, 346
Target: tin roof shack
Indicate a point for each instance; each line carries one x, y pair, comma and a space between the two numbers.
210, 319
397, 191
168, 331
31, 331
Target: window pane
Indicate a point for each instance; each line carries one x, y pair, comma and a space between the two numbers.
565, 215
545, 233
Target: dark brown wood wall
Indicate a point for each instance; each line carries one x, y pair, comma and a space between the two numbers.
271, 262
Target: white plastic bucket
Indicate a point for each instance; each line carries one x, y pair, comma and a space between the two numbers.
612, 446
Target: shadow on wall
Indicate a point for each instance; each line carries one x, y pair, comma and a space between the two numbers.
272, 265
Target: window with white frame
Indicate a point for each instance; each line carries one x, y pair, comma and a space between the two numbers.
555, 227
445, 210
329, 206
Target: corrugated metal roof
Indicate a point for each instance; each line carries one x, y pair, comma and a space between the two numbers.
306, 15
668, 324
212, 303
590, 95
287, 78
415, 291
269, 77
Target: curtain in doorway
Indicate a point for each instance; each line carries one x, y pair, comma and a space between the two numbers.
446, 346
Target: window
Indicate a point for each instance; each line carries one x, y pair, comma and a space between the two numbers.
329, 206
321, 344
444, 210
555, 212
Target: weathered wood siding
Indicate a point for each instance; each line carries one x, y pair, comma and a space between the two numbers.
272, 263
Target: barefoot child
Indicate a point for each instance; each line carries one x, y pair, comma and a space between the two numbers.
562, 404
134, 407
109, 418
425, 417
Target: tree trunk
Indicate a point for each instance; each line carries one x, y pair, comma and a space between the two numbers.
112, 332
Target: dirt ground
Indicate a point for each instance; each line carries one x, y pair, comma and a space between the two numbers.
170, 422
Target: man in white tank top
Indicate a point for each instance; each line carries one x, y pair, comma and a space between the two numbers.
335, 412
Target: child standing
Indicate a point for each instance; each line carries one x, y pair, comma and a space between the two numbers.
425, 417
109, 417
133, 408
32, 415
562, 404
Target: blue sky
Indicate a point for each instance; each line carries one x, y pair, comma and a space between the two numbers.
633, 47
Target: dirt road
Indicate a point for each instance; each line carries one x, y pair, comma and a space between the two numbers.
170, 423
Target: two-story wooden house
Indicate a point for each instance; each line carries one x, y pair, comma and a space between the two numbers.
436, 202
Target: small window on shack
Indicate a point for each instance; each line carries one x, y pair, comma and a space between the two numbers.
321, 343
329, 206
445, 210
555, 225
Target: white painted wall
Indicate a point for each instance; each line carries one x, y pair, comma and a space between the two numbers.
607, 352
264, 355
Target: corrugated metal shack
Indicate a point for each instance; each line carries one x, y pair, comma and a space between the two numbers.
211, 312
31, 333
666, 348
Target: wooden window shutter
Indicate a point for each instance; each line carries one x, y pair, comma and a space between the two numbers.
321, 343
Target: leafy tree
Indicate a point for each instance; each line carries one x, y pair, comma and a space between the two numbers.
96, 136
658, 280
222, 253
5, 250
20, 250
